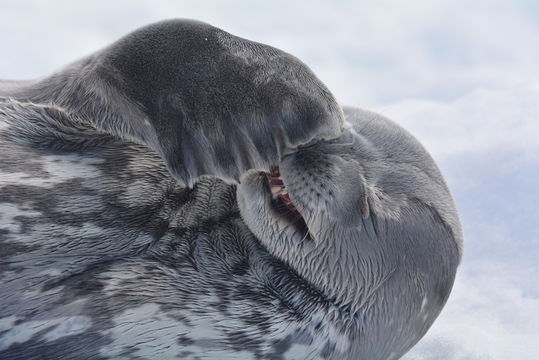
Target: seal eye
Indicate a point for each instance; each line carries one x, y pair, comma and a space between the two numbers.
283, 205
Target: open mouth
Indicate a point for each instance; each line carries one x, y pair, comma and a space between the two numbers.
283, 205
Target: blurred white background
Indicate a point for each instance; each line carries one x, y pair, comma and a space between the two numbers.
462, 76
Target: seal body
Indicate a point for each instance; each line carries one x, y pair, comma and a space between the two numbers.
105, 255
123, 232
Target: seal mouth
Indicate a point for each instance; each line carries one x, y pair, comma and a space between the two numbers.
283, 204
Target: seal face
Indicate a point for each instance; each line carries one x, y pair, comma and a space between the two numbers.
367, 219
124, 233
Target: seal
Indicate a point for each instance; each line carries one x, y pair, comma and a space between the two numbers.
185, 193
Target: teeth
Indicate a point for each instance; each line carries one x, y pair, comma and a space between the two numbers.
276, 181
277, 186
276, 190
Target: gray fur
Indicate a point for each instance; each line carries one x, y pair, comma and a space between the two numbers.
189, 90
115, 242
384, 239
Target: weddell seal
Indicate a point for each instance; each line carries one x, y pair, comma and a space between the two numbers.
185, 193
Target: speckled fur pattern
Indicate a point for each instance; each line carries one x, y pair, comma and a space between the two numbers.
124, 233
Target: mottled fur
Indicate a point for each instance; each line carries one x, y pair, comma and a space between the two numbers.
124, 235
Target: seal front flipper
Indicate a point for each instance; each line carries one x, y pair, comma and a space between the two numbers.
208, 102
